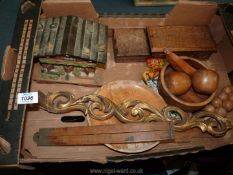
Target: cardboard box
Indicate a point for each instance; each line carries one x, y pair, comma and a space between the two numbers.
19, 123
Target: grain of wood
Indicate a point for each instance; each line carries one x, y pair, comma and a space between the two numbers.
194, 40
103, 134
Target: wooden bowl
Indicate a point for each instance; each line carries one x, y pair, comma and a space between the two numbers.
120, 91
176, 100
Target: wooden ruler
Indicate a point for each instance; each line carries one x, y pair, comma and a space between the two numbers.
104, 134
20, 65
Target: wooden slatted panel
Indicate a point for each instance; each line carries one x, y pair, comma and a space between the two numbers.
60, 35
87, 40
39, 34
73, 37
45, 37
94, 37
53, 34
66, 36
79, 35
102, 47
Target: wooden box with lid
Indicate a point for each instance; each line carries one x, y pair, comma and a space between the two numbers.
194, 41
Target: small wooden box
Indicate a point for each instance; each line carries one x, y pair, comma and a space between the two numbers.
130, 45
195, 41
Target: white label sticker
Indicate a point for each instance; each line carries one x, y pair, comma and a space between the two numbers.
27, 98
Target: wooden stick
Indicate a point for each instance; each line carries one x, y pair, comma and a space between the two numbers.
103, 134
107, 129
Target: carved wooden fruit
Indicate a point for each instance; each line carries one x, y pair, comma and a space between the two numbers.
190, 101
204, 81
192, 97
178, 82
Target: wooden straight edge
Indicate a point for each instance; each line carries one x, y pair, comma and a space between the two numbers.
98, 139
103, 134
177, 27
107, 129
189, 29
187, 49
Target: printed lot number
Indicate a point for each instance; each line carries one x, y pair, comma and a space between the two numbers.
27, 98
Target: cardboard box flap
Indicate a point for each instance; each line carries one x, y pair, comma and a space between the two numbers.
12, 114
191, 13
81, 8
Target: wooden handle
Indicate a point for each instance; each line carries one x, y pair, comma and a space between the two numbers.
178, 63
